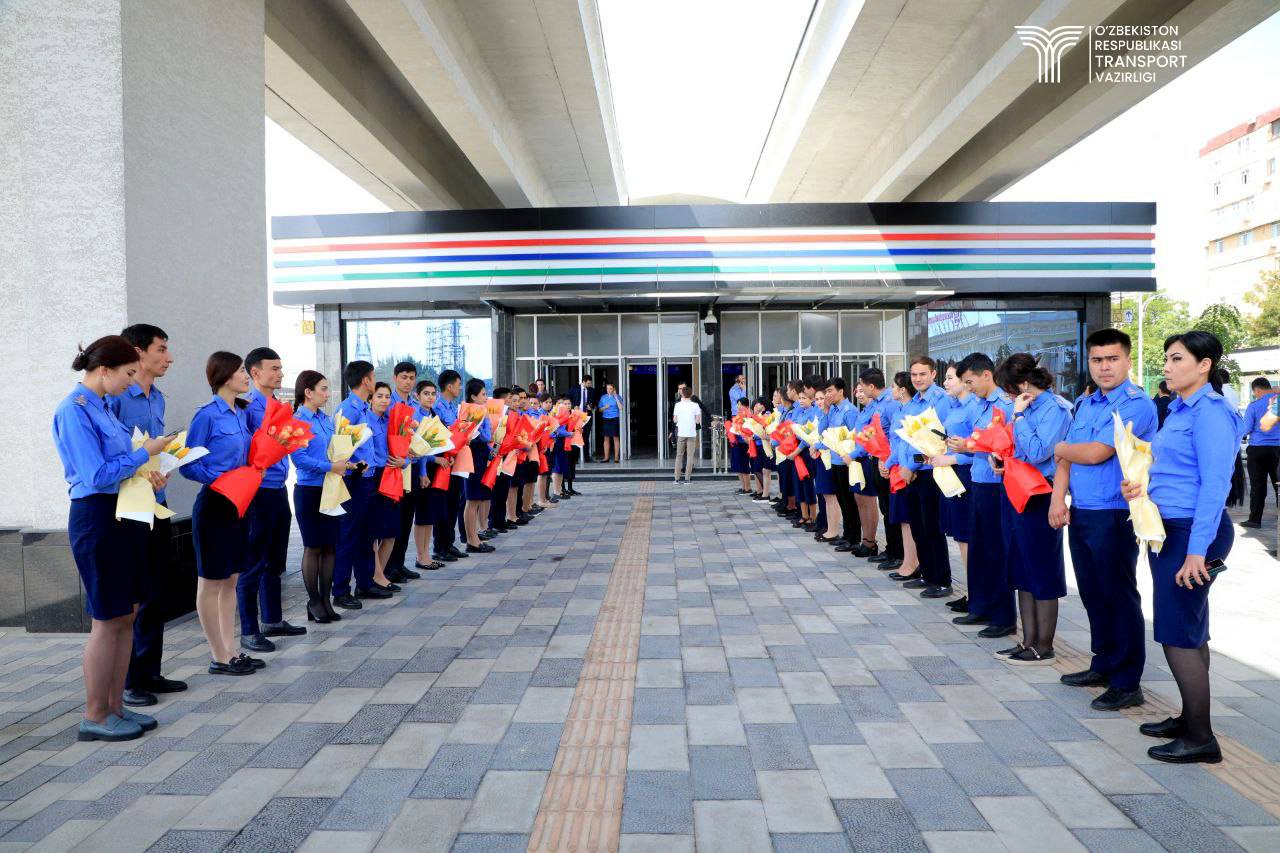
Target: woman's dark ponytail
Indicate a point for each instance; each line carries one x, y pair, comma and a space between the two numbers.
110, 351
1201, 345
1022, 367
307, 381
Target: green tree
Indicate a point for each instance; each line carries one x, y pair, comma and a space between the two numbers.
1264, 326
1162, 317
1229, 326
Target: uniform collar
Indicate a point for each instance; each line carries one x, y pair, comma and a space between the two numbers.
356, 401
90, 398
221, 404
884, 396
1205, 390
997, 393
135, 390
257, 396
1114, 394
927, 394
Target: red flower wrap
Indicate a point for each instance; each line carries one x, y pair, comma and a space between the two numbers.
399, 434
787, 443
515, 436
460, 435
874, 440
896, 483
1022, 480
266, 448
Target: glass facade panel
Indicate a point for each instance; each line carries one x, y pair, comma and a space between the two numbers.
557, 336
599, 334
860, 332
639, 334
524, 373
895, 331
1053, 337
465, 345
818, 332
524, 337
740, 332
894, 364
679, 334
779, 332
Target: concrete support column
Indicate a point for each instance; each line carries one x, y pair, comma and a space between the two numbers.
131, 190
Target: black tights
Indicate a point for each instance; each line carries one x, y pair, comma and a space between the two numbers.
1191, 671
1039, 621
317, 574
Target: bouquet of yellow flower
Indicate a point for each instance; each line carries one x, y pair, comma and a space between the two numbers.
756, 426
807, 432
926, 434
832, 439
1135, 459
430, 438
342, 446
137, 498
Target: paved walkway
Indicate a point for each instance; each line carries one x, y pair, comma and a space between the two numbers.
642, 668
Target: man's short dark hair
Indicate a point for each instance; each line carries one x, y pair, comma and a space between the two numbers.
976, 363
837, 383
257, 356
586, 378
516, 389
686, 392
501, 392
405, 367
355, 373
815, 382
926, 361
448, 377
1107, 337
142, 335
872, 376
1261, 382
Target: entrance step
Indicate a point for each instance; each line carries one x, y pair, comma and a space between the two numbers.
606, 473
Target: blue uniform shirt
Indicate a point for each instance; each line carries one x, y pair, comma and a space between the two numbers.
1195, 453
1258, 437
357, 412
984, 409
224, 431
445, 410
1098, 486
842, 414
1039, 428
279, 472
96, 448
934, 396
146, 412
378, 444
735, 394
485, 431
312, 462
407, 399
609, 406
959, 424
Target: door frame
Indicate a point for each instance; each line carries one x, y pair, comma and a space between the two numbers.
625, 364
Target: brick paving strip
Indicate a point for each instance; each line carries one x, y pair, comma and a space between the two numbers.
1251, 774
581, 806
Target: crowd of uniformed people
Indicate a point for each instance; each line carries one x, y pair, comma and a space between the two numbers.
898, 520
350, 556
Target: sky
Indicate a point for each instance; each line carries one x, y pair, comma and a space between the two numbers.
693, 114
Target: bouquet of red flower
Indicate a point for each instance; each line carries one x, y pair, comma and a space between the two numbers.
896, 483
459, 458
400, 424
517, 435
1022, 480
788, 444
872, 437
279, 435
544, 440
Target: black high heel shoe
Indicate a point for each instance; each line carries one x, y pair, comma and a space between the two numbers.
317, 613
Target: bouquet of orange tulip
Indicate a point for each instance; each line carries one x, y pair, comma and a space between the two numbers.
874, 440
896, 483
787, 444
1022, 480
461, 463
342, 446
575, 421
280, 434
494, 410
517, 434
400, 433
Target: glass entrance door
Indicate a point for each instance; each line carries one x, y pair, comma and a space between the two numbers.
775, 373
675, 374
641, 410
560, 375
823, 366
602, 373
852, 366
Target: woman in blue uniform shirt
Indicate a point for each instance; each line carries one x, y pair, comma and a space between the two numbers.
1040, 420
384, 513
220, 536
97, 456
319, 531
762, 464
610, 408
476, 514
1194, 455
954, 512
739, 461
426, 499
909, 569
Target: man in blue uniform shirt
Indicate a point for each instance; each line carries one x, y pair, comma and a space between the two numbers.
1263, 454
923, 497
842, 413
1104, 550
446, 409
405, 380
355, 545
142, 406
269, 521
879, 402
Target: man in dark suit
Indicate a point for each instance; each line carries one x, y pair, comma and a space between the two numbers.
582, 397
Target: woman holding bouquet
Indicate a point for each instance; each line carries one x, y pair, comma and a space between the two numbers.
97, 455
1194, 455
476, 513
739, 461
384, 513
219, 534
319, 530
762, 464
426, 499
1040, 420
899, 513
958, 424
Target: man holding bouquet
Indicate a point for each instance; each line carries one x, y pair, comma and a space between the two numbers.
923, 497
450, 509
355, 546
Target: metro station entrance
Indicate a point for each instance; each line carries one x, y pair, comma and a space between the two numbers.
641, 412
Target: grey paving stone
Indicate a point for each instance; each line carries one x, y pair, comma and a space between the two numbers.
114, 802
1172, 823
1049, 721
940, 670
658, 801
657, 646
722, 773
440, 705
934, 800
1015, 744
45, 821
778, 746
699, 635
557, 672
372, 724
502, 688
810, 842
792, 659
296, 745
708, 688
204, 773
654, 705
1118, 840
875, 825
1220, 804
372, 800
906, 686
829, 645
191, 841
487, 842
827, 724
455, 772
977, 769
528, 746
310, 687
431, 659
753, 672
373, 673
869, 705
283, 824
1252, 734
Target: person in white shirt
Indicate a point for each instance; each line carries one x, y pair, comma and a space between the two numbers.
687, 417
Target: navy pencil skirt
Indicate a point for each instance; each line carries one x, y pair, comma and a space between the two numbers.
110, 556
1038, 566
220, 536
318, 530
475, 490
1181, 614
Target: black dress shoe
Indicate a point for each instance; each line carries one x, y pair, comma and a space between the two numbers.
444, 557
882, 557
255, 663
482, 548
1169, 727
553, 500
898, 576
374, 591
427, 567
485, 535
916, 583
1180, 752
1251, 524
992, 631
889, 565
574, 492
519, 522
347, 602
970, 619
1084, 678
164, 685
1113, 699
283, 629
390, 587
933, 591
257, 643
139, 698
409, 574
233, 667
457, 552
960, 605
866, 552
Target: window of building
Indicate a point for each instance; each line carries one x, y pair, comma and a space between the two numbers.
1244, 176
1217, 188
434, 345
1275, 128
1053, 337
1275, 229
1246, 238
1271, 166
1219, 246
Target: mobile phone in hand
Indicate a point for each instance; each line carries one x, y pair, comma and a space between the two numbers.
1215, 567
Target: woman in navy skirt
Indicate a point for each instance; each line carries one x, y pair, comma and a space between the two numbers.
319, 530
97, 456
1194, 454
219, 534
478, 494
958, 424
1040, 420
609, 407
903, 392
426, 500
830, 521
762, 465
384, 514
559, 462
739, 460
